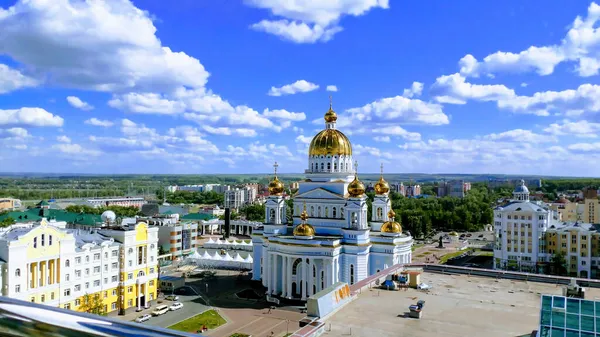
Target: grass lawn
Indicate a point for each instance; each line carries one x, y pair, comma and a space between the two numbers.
417, 246
448, 256
237, 334
210, 318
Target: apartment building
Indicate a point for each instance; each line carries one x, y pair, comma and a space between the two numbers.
235, 199
44, 262
178, 239
125, 201
579, 242
9, 204
453, 188
591, 210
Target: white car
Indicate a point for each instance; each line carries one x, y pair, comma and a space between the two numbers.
160, 310
143, 318
176, 306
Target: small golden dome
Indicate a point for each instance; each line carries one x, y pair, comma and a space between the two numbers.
330, 142
382, 186
304, 229
356, 188
276, 187
330, 116
391, 226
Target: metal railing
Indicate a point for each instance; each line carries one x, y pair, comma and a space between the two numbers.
20, 318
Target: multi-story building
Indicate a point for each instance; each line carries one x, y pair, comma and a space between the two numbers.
215, 211
568, 211
9, 204
519, 226
235, 199
580, 244
250, 193
125, 201
177, 238
453, 188
591, 210
413, 190
590, 193
44, 262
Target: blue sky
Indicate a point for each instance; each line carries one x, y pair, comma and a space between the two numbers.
231, 86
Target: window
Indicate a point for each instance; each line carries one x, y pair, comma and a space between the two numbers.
105, 280
77, 302
49, 240
17, 272
87, 271
105, 267
87, 258
114, 292
34, 246
96, 283
52, 296
113, 306
115, 253
295, 266
87, 285
130, 289
78, 260
77, 287
351, 274
334, 213
43, 298
151, 282
115, 265
130, 276
96, 256
129, 303
96, 269
67, 277
106, 255
151, 270
67, 306
130, 263
18, 288
114, 278
43, 242
78, 273
130, 251
32, 299
67, 292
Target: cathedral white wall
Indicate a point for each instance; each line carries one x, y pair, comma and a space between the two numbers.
330, 164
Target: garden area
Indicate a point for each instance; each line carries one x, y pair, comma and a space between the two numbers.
210, 318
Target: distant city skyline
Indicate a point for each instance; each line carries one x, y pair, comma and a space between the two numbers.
206, 87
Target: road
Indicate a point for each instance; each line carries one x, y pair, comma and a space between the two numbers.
192, 306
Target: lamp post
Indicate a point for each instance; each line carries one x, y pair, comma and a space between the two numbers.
287, 326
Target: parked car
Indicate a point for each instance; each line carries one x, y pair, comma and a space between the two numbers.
161, 309
469, 235
481, 235
172, 298
143, 318
176, 306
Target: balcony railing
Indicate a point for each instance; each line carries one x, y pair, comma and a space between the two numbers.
19, 318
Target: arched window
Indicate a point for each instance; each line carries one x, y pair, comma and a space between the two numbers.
272, 215
379, 213
312, 166
314, 271
322, 166
335, 166
152, 246
312, 211
351, 274
49, 240
354, 217
342, 212
319, 211
67, 263
295, 266
140, 274
17, 272
322, 279
328, 166
334, 213
130, 250
326, 212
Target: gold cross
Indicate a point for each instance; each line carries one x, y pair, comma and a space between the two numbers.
330, 102
275, 166
356, 166
382, 169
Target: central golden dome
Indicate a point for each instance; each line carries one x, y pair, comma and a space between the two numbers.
330, 141
391, 226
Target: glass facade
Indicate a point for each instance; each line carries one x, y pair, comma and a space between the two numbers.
569, 317
186, 236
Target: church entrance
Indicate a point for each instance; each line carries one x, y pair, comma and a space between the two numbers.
295, 289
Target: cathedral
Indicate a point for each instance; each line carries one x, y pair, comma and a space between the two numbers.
330, 239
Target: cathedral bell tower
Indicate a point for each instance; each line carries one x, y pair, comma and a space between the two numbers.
275, 205
381, 204
356, 206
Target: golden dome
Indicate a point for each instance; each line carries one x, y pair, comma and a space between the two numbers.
330, 141
330, 116
276, 186
391, 226
304, 229
356, 188
382, 186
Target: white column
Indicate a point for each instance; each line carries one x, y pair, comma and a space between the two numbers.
304, 278
139, 290
28, 273
327, 266
311, 279
274, 274
146, 298
265, 276
284, 275
289, 272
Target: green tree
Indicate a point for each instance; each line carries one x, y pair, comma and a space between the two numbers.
558, 263
254, 212
93, 304
7, 222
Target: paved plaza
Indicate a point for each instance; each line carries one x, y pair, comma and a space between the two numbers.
457, 305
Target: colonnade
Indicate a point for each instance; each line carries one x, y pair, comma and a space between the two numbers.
43, 273
312, 274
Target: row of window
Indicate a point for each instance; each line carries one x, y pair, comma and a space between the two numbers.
319, 214
315, 167
43, 240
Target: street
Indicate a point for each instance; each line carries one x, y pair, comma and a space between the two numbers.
192, 306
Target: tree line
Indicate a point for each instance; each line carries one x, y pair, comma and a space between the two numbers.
120, 211
191, 197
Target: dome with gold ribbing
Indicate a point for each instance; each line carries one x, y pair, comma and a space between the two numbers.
382, 187
391, 227
330, 141
276, 187
304, 230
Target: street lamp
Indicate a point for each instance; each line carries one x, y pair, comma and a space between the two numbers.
287, 325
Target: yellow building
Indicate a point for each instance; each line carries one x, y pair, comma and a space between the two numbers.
580, 244
9, 204
569, 211
591, 211
46, 263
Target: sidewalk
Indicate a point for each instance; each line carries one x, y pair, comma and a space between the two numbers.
257, 322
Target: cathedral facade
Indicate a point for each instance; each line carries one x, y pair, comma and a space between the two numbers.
330, 239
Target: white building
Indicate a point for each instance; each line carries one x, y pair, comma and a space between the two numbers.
235, 199
125, 201
329, 240
519, 226
249, 194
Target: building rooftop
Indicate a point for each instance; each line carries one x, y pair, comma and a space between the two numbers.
456, 305
581, 226
36, 214
198, 216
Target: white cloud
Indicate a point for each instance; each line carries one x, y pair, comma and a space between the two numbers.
580, 129
398, 131
303, 139
370, 151
75, 149
11, 79
524, 85
98, 122
14, 133
579, 45
453, 89
520, 135
76, 102
332, 88
243, 132
415, 90
147, 103
397, 110
382, 139
294, 88
284, 114
585, 147
310, 21
29, 117
63, 139
111, 46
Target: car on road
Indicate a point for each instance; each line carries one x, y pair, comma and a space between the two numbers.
143, 318
481, 235
160, 310
172, 298
469, 235
176, 306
